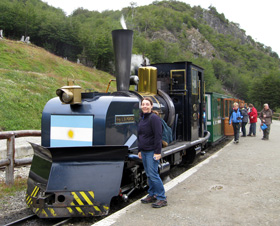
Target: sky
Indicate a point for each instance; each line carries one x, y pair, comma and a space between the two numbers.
258, 18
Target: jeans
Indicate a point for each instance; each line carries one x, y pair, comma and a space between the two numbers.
252, 129
244, 128
266, 132
151, 168
236, 129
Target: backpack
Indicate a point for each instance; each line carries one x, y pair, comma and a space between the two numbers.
166, 132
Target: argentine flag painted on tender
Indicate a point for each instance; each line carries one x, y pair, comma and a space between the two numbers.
71, 130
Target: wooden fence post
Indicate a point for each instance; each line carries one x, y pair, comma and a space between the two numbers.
10, 157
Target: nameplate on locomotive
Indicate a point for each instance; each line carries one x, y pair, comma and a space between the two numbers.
124, 119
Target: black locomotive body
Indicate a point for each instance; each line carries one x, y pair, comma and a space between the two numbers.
89, 150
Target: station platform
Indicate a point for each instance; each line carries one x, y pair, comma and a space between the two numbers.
239, 185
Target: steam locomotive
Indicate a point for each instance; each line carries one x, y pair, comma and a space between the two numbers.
88, 151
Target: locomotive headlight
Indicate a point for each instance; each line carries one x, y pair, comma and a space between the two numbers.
70, 94
65, 95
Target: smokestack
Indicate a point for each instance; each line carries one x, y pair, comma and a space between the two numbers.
122, 42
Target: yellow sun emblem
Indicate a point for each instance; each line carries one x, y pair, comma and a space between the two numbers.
71, 134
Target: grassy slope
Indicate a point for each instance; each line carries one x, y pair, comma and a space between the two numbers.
29, 77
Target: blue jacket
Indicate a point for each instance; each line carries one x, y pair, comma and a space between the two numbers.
236, 117
150, 133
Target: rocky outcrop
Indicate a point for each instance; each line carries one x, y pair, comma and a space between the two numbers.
165, 35
221, 25
200, 46
196, 42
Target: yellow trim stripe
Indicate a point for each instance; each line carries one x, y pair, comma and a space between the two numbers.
70, 209
29, 202
80, 210
77, 198
44, 212
52, 211
33, 191
27, 198
33, 194
86, 198
77, 208
156, 101
96, 208
91, 193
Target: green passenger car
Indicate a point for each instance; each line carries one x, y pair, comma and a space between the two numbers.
214, 119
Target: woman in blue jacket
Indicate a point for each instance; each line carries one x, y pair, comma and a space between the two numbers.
236, 119
149, 150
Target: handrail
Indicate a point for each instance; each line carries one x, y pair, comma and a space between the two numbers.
275, 116
11, 162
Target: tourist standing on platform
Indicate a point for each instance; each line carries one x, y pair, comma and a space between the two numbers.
244, 113
236, 119
253, 116
204, 119
149, 150
266, 118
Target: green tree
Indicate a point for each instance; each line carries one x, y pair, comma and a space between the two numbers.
265, 90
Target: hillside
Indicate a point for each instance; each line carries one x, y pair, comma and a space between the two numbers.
29, 77
164, 31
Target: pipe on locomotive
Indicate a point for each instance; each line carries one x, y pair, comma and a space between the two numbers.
122, 42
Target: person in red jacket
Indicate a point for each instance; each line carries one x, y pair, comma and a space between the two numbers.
253, 116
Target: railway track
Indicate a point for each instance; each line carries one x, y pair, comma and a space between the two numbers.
34, 220
21, 220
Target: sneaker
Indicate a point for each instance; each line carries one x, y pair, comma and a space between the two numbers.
237, 141
243, 136
148, 199
249, 135
159, 203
